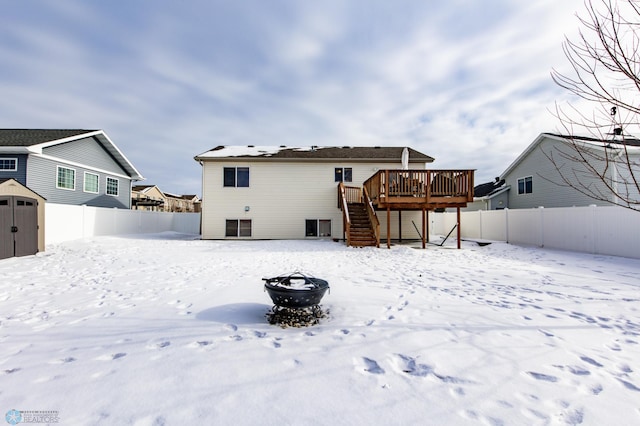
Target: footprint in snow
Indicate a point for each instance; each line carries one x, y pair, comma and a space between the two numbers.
542, 377
200, 344
63, 360
111, 357
408, 365
159, 345
368, 365
591, 361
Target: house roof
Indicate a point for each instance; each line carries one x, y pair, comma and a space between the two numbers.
587, 141
488, 189
32, 141
313, 153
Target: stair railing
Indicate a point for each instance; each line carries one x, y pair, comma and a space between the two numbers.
346, 220
373, 218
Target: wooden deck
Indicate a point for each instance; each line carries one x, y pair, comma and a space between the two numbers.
416, 190
420, 189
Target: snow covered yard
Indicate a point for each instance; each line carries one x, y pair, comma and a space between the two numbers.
166, 329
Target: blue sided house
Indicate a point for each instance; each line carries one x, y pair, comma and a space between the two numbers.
68, 166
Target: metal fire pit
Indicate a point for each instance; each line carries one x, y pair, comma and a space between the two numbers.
295, 290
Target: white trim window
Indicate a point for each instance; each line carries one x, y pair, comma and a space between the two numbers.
343, 174
112, 186
236, 177
8, 164
65, 178
91, 183
317, 227
525, 185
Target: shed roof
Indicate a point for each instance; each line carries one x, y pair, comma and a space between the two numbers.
317, 153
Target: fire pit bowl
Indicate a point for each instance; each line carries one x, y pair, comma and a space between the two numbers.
295, 290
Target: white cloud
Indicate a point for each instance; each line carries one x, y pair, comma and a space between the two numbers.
466, 83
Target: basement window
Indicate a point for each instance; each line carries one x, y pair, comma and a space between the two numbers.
238, 228
317, 228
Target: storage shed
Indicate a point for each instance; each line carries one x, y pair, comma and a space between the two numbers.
21, 220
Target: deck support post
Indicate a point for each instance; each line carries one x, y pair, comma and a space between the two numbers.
427, 231
400, 224
388, 227
424, 226
458, 219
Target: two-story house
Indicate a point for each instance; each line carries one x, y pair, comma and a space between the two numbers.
69, 166
260, 192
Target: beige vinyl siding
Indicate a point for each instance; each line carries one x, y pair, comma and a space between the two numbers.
281, 196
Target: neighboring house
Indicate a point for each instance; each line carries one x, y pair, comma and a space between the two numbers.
533, 180
68, 166
150, 197
182, 203
489, 196
291, 193
147, 197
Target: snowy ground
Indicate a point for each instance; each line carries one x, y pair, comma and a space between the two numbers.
168, 329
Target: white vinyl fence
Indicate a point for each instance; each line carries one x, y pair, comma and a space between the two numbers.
608, 230
65, 222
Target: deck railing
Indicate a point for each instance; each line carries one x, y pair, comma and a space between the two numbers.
427, 186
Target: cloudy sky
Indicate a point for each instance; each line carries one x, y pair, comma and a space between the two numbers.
467, 82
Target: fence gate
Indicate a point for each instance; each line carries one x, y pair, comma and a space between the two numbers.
18, 226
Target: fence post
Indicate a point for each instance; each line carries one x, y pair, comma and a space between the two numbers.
541, 210
593, 228
506, 223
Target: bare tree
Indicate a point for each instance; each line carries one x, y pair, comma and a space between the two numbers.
605, 71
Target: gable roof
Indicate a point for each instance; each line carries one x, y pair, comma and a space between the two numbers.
587, 141
28, 141
313, 153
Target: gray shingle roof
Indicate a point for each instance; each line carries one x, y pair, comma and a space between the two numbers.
29, 137
24, 139
314, 153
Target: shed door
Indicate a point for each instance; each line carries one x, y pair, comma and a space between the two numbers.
19, 222
6, 222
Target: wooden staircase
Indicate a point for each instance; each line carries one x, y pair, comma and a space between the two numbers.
362, 233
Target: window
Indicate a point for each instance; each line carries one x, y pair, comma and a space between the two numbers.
343, 174
66, 178
91, 182
317, 228
8, 164
112, 186
236, 177
525, 185
238, 228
